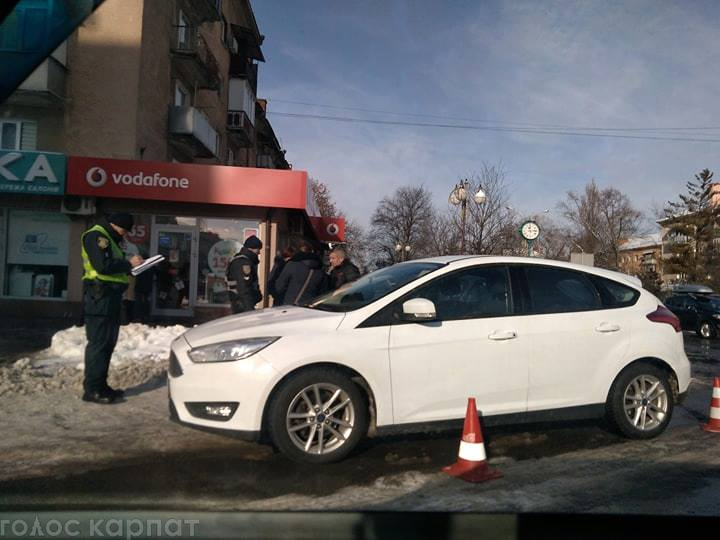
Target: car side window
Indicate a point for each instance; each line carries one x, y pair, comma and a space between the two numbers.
556, 290
481, 291
614, 294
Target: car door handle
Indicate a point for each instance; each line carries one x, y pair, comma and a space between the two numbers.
607, 327
502, 335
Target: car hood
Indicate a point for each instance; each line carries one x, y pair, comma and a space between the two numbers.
279, 321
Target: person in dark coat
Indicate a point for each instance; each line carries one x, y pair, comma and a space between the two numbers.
278, 266
302, 279
242, 276
343, 270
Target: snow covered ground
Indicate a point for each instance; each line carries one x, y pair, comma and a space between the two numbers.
140, 355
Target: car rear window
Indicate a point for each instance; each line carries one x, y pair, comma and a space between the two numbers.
614, 294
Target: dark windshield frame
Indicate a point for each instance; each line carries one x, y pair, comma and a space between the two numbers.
405, 273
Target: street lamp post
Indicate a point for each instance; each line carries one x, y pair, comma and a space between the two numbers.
458, 197
402, 250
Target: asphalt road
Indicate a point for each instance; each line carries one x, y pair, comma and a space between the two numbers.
130, 456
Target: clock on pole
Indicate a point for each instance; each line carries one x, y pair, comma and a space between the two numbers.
530, 231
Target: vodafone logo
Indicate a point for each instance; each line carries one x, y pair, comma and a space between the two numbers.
96, 177
332, 229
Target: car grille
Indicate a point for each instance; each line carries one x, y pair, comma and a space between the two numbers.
174, 369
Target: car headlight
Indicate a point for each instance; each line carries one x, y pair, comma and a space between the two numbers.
229, 351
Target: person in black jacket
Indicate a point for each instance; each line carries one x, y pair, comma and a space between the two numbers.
302, 279
105, 279
278, 266
343, 270
242, 276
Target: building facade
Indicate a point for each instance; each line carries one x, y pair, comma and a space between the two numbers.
149, 107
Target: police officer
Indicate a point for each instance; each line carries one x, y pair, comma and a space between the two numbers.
242, 276
104, 281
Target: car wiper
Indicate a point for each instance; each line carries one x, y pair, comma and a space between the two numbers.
328, 307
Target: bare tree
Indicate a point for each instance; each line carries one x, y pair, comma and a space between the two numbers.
601, 220
405, 218
490, 225
322, 204
555, 241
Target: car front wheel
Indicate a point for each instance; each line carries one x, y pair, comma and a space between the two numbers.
640, 402
318, 416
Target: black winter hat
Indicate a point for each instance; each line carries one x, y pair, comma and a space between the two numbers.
253, 242
123, 220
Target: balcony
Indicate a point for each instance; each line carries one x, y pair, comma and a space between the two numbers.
192, 59
241, 68
240, 128
201, 11
45, 87
191, 129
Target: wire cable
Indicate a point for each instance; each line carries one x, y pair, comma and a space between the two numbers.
488, 128
494, 122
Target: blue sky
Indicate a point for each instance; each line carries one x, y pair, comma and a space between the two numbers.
599, 64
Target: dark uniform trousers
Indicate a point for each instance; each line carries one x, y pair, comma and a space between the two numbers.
102, 304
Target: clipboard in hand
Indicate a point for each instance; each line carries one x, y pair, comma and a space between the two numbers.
147, 263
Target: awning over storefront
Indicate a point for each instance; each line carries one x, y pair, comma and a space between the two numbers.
184, 182
194, 183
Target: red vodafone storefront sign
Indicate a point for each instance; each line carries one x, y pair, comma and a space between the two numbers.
182, 182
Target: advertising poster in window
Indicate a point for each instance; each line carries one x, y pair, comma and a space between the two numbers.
38, 238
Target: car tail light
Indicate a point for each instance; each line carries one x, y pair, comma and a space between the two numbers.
664, 315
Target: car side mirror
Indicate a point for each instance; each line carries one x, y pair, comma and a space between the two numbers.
418, 310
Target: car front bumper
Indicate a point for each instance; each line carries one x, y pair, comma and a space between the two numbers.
241, 387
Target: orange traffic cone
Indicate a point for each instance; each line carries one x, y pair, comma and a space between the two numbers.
471, 464
714, 422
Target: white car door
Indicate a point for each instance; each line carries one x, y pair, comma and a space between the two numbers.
475, 348
574, 336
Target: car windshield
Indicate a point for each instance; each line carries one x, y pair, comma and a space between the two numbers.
373, 286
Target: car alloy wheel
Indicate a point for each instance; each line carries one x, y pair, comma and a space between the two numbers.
318, 415
320, 418
640, 402
646, 402
705, 330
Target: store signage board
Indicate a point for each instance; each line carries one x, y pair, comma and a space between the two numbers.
34, 173
184, 182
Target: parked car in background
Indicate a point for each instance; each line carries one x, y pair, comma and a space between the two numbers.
698, 311
530, 339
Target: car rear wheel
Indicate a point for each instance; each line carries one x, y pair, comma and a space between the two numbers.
318, 416
706, 330
640, 402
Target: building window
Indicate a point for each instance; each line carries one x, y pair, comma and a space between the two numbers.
35, 257
183, 31
182, 96
18, 135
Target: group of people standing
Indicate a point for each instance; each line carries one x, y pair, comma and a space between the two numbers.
296, 278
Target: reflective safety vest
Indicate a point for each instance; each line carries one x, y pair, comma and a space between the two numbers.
90, 272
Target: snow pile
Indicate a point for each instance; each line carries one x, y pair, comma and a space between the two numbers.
140, 356
136, 342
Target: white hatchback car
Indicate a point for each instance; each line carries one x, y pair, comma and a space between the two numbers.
530, 339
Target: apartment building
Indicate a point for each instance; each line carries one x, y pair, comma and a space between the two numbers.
641, 254
149, 107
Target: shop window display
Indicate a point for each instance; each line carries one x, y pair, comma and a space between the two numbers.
34, 248
220, 240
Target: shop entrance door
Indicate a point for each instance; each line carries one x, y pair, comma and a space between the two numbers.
175, 287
